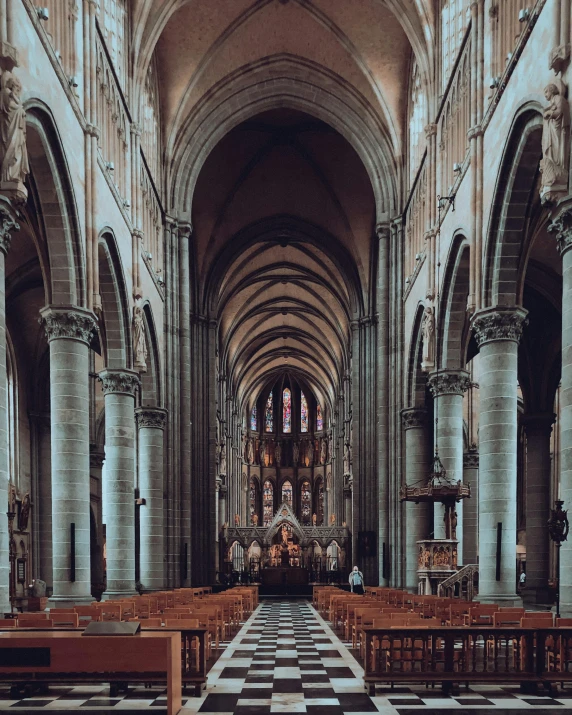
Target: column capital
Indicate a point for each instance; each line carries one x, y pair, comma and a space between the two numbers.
96, 459
499, 323
449, 382
151, 417
185, 229
120, 381
561, 227
8, 224
471, 459
413, 417
68, 322
540, 422
430, 130
382, 231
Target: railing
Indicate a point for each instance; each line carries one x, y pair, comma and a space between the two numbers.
114, 123
151, 222
467, 654
506, 29
61, 30
454, 121
416, 221
467, 580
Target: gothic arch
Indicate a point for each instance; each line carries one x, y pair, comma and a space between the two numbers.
116, 324
505, 254
453, 328
416, 379
58, 220
151, 393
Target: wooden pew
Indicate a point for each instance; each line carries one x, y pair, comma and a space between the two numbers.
69, 657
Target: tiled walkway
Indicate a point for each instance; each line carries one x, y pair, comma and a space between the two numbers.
286, 659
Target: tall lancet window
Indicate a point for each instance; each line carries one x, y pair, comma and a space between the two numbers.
303, 412
253, 419
287, 411
287, 492
269, 414
319, 419
267, 503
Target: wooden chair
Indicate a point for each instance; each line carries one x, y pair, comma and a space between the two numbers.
152, 623
32, 616
87, 614
110, 611
64, 619
35, 623
7, 623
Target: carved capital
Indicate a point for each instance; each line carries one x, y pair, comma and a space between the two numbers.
155, 417
119, 381
449, 382
430, 130
96, 460
500, 323
92, 131
471, 459
136, 129
561, 227
8, 224
185, 229
382, 231
540, 423
68, 323
413, 417
474, 132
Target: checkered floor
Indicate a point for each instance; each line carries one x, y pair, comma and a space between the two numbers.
286, 659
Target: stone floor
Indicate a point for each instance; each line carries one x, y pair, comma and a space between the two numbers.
286, 659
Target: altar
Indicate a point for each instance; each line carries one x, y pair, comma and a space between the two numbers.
285, 576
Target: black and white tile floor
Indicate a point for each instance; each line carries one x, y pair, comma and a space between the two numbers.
286, 659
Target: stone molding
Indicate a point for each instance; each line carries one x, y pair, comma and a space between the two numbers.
155, 417
413, 417
449, 382
471, 459
69, 323
561, 227
119, 381
7, 224
500, 323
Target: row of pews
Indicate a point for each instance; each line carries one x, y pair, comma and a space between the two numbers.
180, 634
403, 638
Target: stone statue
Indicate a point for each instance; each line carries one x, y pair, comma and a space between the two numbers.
428, 332
249, 450
222, 458
332, 519
277, 454
14, 159
295, 454
330, 448
254, 520
237, 519
139, 339
555, 143
262, 452
314, 519
310, 452
454, 525
323, 451
347, 459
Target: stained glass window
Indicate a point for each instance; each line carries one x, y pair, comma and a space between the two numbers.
287, 492
253, 500
287, 411
269, 416
319, 419
253, 419
306, 502
268, 503
303, 412
320, 504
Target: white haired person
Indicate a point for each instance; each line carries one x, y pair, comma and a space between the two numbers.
356, 581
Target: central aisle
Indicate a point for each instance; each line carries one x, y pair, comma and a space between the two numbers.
285, 659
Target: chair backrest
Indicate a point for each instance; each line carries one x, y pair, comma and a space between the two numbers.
539, 622
64, 619
564, 623
110, 611
32, 616
151, 623
88, 613
182, 623
35, 623
7, 623
510, 618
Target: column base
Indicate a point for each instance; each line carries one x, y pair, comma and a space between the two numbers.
502, 600
537, 596
69, 601
112, 595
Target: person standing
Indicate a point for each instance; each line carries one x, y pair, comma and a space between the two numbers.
356, 581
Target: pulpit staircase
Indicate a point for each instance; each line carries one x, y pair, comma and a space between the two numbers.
462, 584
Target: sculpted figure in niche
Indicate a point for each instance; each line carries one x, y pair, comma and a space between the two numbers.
428, 332
347, 459
139, 339
277, 454
222, 458
310, 452
324, 451
15, 166
555, 141
295, 454
262, 451
249, 451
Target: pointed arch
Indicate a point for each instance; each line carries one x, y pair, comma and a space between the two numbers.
453, 319
151, 392
116, 324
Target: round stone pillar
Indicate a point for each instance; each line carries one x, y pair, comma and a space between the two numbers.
562, 228
69, 331
151, 423
414, 422
538, 430
447, 387
119, 480
498, 331
471, 507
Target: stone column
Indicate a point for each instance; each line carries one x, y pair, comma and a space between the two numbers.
151, 423
119, 483
414, 422
69, 330
562, 228
96, 465
498, 331
447, 387
471, 507
538, 430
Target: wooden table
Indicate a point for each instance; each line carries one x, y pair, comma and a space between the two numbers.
67, 656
